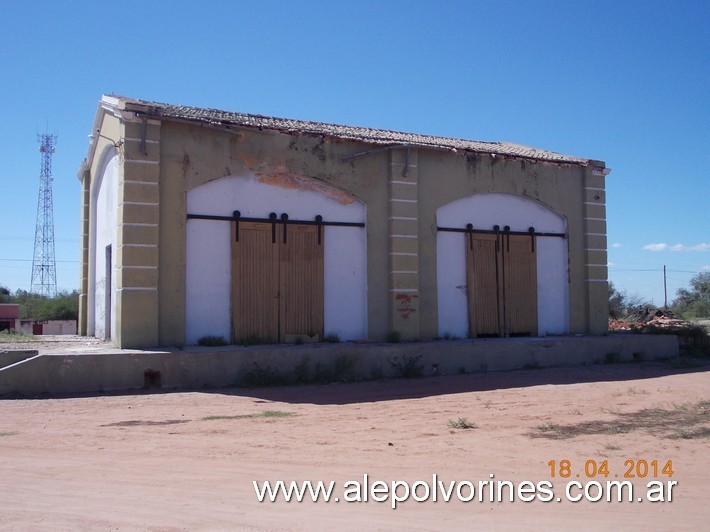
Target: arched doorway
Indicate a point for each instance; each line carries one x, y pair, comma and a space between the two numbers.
501, 267
102, 259
275, 246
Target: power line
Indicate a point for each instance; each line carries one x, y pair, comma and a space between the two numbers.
656, 269
28, 260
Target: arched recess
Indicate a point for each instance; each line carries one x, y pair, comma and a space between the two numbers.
484, 211
209, 260
102, 257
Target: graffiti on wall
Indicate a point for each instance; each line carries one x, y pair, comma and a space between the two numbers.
405, 305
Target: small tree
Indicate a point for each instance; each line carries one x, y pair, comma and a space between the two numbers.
616, 302
695, 302
5, 295
64, 306
621, 303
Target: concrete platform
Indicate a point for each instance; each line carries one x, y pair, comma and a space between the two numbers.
8, 358
105, 369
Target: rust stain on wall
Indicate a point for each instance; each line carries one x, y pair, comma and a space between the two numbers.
185, 163
249, 160
295, 181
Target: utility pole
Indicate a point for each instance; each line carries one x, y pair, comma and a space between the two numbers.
44, 267
665, 290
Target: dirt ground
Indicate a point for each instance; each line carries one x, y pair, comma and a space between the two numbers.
55, 344
183, 461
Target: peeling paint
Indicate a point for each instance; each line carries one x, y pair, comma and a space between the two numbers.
295, 181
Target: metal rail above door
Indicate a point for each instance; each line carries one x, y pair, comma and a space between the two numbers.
274, 219
506, 232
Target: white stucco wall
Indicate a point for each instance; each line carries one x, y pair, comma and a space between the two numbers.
104, 220
484, 211
208, 261
58, 327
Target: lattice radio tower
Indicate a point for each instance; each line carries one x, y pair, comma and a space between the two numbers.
44, 267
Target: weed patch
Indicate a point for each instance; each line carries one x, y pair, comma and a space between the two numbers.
685, 331
407, 367
685, 421
302, 371
143, 423
342, 370
331, 338
274, 413
461, 423
613, 357
376, 374
689, 362
251, 340
394, 337
11, 335
268, 414
261, 376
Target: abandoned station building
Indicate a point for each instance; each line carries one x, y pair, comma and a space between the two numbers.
199, 222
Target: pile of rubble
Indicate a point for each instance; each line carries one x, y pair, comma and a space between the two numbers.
642, 318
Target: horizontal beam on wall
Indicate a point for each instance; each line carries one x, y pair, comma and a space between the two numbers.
273, 219
499, 231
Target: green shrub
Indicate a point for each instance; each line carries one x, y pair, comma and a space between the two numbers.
394, 337
407, 367
212, 341
612, 357
344, 369
302, 371
376, 374
263, 376
251, 340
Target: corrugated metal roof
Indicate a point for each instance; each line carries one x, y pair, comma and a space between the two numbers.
380, 137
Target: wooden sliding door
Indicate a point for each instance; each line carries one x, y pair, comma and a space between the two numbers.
277, 282
501, 274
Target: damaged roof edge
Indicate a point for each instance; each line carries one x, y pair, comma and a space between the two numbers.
107, 103
121, 106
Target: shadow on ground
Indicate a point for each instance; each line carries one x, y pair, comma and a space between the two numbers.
397, 389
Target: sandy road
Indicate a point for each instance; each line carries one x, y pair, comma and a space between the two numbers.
177, 461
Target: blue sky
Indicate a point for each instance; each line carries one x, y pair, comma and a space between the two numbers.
626, 82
